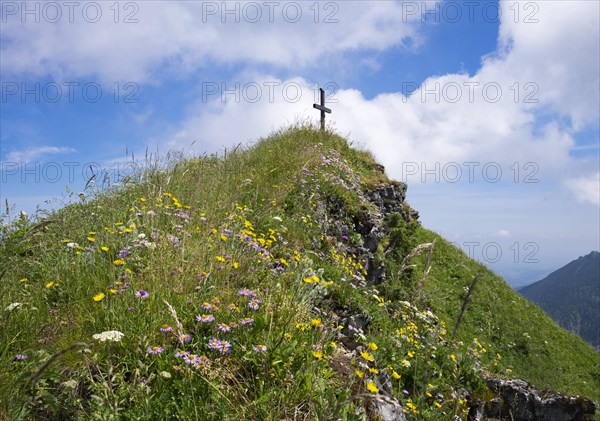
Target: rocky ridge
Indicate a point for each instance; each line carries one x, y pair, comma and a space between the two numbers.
510, 399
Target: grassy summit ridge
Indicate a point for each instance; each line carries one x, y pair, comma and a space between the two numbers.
233, 300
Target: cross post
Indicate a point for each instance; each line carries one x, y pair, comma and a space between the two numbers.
322, 108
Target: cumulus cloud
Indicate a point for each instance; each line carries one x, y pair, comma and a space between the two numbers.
519, 107
502, 233
585, 188
138, 41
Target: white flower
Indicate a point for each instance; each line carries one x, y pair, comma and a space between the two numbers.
71, 384
72, 245
12, 306
109, 335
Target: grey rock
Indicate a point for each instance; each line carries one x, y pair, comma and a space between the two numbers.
516, 400
386, 409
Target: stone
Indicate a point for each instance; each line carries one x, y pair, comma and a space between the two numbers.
385, 409
516, 400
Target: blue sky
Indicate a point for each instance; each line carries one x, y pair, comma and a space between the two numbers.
488, 110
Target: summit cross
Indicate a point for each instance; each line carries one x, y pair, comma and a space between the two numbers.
322, 108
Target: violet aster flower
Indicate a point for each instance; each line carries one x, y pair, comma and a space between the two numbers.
246, 321
141, 293
254, 304
224, 327
246, 292
205, 318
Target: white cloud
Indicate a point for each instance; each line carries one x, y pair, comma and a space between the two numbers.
35, 153
502, 233
183, 36
559, 53
585, 188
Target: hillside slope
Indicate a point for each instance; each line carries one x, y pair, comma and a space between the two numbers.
571, 297
289, 280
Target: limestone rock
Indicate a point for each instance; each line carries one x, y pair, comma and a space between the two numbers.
517, 400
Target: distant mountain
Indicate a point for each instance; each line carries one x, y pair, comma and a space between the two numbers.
519, 278
571, 296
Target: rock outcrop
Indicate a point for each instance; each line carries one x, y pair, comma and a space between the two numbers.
516, 400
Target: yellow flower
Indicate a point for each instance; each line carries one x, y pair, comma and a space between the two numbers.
453, 357
112, 291
315, 322
371, 387
437, 404
104, 248
367, 356
119, 262
359, 373
373, 346
395, 375
318, 354
411, 354
99, 297
91, 239
51, 284
373, 371
220, 258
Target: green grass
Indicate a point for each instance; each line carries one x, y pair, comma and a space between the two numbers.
198, 233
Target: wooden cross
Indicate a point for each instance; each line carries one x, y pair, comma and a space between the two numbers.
322, 108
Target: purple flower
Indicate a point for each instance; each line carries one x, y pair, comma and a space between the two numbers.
246, 321
155, 350
205, 318
125, 252
260, 348
166, 329
174, 240
213, 343
140, 293
183, 215
206, 306
224, 327
224, 347
181, 354
185, 337
246, 292
254, 304
21, 357
190, 359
